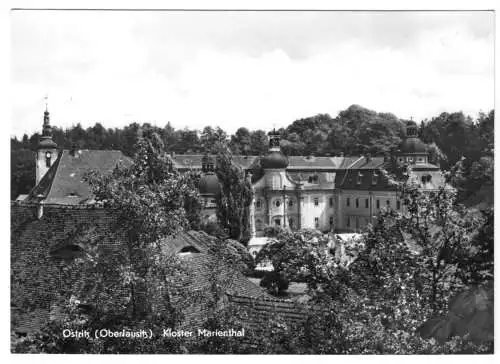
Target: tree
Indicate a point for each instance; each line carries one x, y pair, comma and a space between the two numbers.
236, 195
151, 198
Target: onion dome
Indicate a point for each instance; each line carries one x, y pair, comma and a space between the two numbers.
275, 159
209, 182
46, 139
412, 144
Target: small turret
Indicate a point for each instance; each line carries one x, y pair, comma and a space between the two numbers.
275, 159
47, 151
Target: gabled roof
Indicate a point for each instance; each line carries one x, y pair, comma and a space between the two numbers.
63, 183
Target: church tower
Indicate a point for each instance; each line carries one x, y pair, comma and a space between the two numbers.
46, 153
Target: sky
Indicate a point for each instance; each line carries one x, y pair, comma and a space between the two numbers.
254, 69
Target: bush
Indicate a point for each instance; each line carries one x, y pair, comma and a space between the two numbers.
275, 283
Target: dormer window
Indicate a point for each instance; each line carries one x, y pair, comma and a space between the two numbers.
360, 178
426, 178
48, 159
313, 179
375, 178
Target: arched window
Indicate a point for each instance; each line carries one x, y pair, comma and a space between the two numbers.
290, 203
258, 204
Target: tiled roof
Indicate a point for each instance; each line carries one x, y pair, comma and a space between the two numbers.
37, 275
324, 179
348, 179
257, 312
368, 163
63, 183
193, 161
312, 162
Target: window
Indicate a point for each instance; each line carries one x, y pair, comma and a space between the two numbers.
48, 157
360, 178
375, 178
277, 222
330, 201
277, 203
426, 178
331, 221
400, 159
348, 201
258, 204
313, 179
378, 204
357, 202
316, 201
388, 203
357, 223
348, 222
290, 223
254, 254
316, 222
290, 203
258, 224
398, 204
366, 203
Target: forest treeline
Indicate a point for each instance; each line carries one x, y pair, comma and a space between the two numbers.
456, 141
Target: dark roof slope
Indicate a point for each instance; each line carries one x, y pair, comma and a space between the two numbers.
63, 183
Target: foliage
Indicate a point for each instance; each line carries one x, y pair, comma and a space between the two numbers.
275, 282
152, 200
236, 195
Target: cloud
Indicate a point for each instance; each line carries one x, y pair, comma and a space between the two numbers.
245, 69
